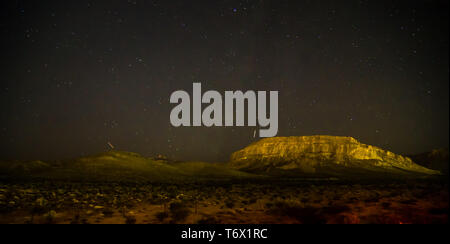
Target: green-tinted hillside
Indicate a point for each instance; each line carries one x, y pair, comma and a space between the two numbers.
119, 166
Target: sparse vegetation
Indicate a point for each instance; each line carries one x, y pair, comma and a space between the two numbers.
161, 216
108, 213
208, 220
228, 202
179, 211
130, 219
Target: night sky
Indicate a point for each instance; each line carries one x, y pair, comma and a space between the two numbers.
76, 75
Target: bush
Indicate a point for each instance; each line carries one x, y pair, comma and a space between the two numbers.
108, 213
208, 220
229, 204
50, 217
130, 220
179, 211
161, 216
292, 209
75, 220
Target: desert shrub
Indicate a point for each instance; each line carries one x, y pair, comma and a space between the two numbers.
161, 216
292, 209
108, 212
179, 211
334, 210
386, 205
269, 205
208, 220
50, 217
172, 192
75, 220
229, 203
130, 220
408, 201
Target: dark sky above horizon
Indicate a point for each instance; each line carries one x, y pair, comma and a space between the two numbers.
79, 74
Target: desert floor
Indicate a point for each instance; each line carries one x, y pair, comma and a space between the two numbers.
286, 202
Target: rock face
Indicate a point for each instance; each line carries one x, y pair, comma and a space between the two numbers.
321, 155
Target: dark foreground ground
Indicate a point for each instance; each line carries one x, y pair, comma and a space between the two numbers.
273, 202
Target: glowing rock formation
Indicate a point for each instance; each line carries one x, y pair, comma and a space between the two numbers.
321, 154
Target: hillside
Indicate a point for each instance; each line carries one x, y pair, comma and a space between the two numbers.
437, 159
118, 166
323, 156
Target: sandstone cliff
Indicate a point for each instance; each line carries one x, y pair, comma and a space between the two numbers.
327, 155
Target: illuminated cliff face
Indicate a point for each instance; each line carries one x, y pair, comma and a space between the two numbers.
310, 154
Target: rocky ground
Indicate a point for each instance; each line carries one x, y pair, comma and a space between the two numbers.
288, 202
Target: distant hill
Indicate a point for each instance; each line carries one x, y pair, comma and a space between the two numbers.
323, 156
119, 166
283, 157
437, 159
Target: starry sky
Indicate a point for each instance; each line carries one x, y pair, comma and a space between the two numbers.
76, 75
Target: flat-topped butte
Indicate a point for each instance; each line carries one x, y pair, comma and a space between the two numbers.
311, 154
